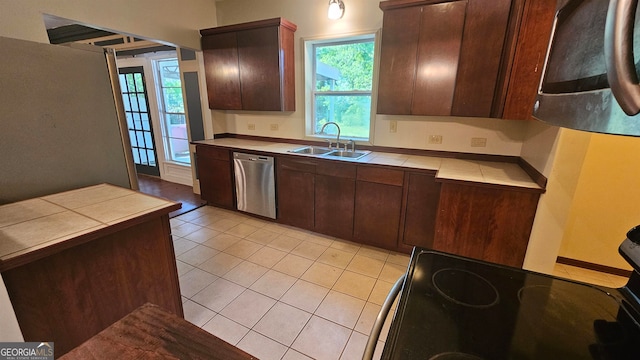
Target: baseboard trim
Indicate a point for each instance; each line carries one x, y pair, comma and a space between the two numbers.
592, 266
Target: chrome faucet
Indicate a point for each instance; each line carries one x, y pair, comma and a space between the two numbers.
337, 138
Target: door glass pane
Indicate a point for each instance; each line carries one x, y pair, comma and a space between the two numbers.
123, 83
133, 99
142, 102
143, 158
140, 138
136, 156
151, 155
147, 139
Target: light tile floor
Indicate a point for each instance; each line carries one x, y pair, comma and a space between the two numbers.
278, 292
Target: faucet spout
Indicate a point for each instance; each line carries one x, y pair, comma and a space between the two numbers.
337, 126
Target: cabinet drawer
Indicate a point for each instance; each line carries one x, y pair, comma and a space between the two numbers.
336, 169
303, 165
381, 175
213, 152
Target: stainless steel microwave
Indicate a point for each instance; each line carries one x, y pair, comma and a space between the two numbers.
590, 78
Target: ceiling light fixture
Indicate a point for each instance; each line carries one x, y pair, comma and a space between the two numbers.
336, 9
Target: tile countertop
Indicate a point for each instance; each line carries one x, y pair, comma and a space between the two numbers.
49, 221
485, 172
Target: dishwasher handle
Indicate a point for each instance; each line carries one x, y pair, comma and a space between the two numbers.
242, 156
382, 316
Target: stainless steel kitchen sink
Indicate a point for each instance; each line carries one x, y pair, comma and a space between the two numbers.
326, 152
312, 150
347, 154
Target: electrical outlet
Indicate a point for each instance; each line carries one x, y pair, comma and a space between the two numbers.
274, 127
393, 126
251, 126
478, 142
435, 139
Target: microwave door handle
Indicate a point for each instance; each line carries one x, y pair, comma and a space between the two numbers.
618, 54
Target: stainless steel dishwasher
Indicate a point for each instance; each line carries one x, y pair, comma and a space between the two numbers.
255, 184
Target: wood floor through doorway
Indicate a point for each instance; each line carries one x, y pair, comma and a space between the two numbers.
155, 186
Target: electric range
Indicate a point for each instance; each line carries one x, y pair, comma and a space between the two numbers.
459, 308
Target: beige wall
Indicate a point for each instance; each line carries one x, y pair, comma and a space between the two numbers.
592, 196
559, 155
606, 203
503, 136
175, 23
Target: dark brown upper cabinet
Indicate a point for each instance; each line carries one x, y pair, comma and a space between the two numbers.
447, 57
250, 66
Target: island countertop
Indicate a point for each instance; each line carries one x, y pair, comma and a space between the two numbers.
94, 254
35, 228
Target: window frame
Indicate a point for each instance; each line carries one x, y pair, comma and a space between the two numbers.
309, 45
162, 109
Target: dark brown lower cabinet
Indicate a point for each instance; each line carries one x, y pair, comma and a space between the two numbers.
389, 207
215, 175
296, 192
422, 194
378, 206
485, 223
334, 194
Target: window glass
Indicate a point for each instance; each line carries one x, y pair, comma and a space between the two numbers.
172, 110
342, 81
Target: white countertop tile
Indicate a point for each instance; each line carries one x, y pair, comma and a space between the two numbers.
34, 224
498, 173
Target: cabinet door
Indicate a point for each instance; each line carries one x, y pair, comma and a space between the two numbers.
445, 58
335, 191
377, 214
438, 57
419, 58
485, 223
215, 175
481, 55
378, 206
220, 53
260, 75
531, 48
399, 49
295, 192
423, 194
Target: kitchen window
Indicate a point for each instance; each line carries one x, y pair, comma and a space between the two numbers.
171, 107
339, 80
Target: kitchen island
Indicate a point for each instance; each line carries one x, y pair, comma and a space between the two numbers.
76, 262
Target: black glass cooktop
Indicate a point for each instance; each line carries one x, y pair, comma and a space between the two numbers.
457, 308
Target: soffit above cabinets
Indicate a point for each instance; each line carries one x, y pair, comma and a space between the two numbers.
64, 32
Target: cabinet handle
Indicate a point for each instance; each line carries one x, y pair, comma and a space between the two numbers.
618, 54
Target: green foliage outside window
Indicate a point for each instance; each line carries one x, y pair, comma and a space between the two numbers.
343, 94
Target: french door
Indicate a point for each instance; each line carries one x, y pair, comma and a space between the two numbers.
136, 106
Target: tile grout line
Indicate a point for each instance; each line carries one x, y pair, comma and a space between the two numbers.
306, 238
